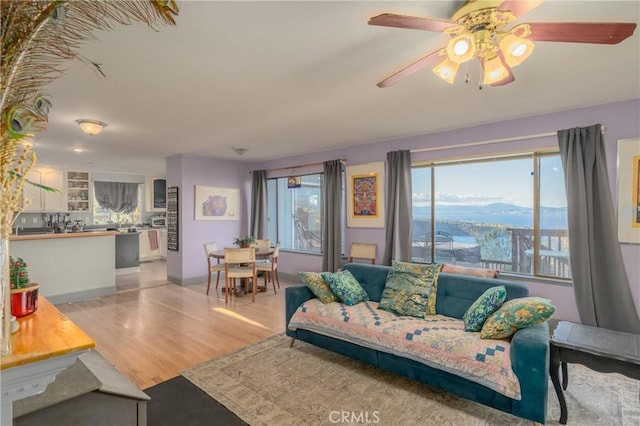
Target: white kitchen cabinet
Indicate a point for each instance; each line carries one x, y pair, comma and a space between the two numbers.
41, 200
78, 192
162, 237
146, 253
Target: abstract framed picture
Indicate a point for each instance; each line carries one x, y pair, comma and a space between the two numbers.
365, 195
216, 203
629, 191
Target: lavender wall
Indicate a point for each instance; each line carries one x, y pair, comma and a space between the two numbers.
188, 265
621, 122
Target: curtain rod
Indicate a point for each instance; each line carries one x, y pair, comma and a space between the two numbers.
342, 160
492, 141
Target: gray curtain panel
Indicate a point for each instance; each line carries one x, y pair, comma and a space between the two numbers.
332, 216
600, 283
119, 197
398, 222
259, 204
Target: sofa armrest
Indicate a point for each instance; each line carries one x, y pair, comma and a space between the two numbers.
294, 297
530, 362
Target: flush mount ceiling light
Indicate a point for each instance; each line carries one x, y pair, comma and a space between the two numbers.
240, 150
91, 127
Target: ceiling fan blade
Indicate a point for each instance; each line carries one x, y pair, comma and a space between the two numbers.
411, 22
421, 63
582, 32
520, 7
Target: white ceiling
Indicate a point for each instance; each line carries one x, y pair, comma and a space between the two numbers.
289, 78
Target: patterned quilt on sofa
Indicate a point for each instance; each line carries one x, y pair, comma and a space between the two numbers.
437, 341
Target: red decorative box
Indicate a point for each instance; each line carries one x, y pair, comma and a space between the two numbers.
24, 301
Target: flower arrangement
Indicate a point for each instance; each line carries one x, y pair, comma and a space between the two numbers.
244, 241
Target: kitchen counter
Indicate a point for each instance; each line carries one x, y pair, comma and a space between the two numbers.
51, 235
69, 267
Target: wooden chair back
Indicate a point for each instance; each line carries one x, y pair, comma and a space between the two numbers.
363, 251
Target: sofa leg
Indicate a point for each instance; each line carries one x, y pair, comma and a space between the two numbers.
293, 339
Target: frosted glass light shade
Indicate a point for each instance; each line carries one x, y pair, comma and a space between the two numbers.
91, 127
494, 71
446, 70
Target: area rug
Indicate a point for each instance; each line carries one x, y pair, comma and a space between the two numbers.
268, 383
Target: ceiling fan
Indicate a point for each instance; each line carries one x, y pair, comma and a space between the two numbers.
479, 29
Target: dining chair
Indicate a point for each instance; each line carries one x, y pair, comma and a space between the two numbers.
239, 263
363, 251
209, 248
262, 244
270, 268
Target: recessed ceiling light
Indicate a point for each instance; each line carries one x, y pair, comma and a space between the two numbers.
77, 149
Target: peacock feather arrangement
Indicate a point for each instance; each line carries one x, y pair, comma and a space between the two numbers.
37, 38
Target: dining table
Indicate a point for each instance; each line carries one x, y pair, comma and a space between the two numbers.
261, 253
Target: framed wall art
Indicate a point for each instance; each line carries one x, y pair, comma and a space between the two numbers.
216, 203
365, 195
629, 191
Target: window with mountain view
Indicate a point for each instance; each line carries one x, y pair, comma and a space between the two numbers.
492, 214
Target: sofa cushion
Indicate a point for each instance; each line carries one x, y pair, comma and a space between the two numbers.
466, 270
318, 286
485, 305
417, 268
516, 314
346, 287
409, 293
436, 341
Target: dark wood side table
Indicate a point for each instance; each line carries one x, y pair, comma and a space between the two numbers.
602, 350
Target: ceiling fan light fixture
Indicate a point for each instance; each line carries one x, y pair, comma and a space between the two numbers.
447, 70
515, 49
461, 48
91, 127
494, 70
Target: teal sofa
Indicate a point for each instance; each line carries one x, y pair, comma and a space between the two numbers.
529, 346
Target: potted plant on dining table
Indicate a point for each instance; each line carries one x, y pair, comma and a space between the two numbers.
244, 242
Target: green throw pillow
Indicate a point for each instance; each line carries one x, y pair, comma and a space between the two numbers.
484, 306
318, 286
408, 293
516, 314
418, 268
346, 287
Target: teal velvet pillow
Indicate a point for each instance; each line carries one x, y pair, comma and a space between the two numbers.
346, 287
516, 314
407, 293
318, 286
485, 305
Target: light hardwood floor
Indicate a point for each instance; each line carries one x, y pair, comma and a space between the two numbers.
151, 330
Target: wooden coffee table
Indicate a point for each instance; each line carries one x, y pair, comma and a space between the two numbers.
602, 350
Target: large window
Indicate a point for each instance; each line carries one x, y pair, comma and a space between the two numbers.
295, 213
505, 213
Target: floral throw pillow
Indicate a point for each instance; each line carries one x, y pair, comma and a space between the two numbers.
318, 286
485, 305
516, 314
418, 268
408, 293
344, 285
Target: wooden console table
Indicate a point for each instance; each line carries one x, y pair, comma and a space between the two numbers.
47, 343
602, 350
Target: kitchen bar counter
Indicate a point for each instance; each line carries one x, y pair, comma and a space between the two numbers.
47, 343
69, 267
51, 235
